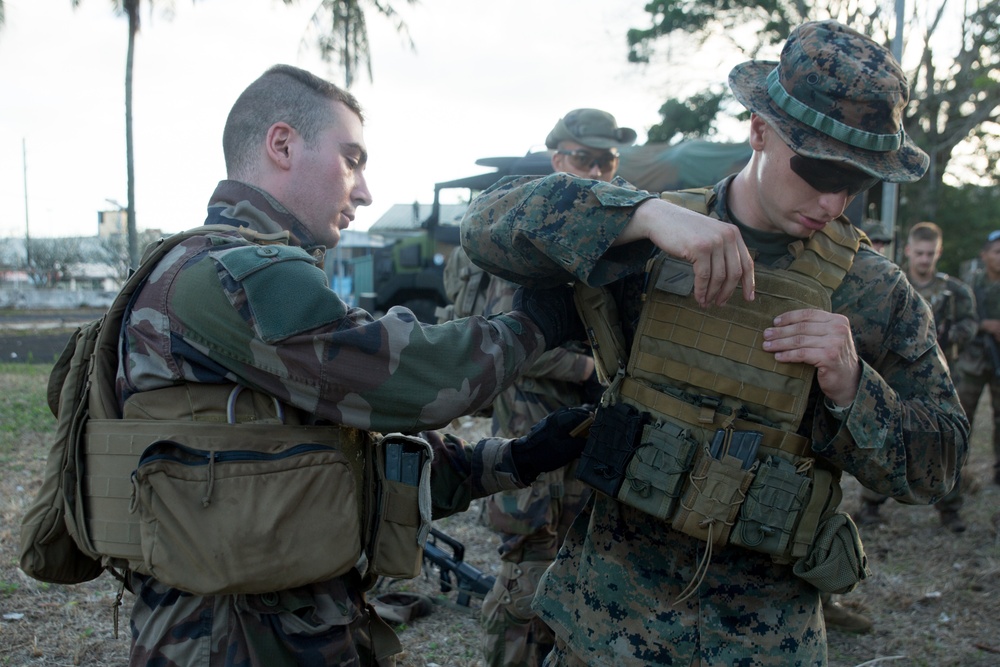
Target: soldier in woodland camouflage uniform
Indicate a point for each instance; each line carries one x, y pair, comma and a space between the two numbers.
825, 126
222, 310
979, 363
954, 309
533, 522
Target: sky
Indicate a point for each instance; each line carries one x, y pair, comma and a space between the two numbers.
488, 78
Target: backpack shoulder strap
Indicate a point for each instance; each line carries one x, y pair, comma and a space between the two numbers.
103, 402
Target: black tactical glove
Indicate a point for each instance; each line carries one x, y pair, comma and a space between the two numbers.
550, 444
554, 311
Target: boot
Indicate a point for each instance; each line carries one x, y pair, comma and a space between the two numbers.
838, 617
869, 515
952, 521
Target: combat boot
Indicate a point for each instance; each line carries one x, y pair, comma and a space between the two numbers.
838, 617
869, 515
952, 521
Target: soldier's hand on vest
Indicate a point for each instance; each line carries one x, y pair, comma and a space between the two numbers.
553, 311
715, 248
823, 340
551, 444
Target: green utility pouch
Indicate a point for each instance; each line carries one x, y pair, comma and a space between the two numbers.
836, 562
236, 521
403, 506
613, 438
774, 501
656, 473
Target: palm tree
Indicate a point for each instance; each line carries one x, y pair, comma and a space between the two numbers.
130, 9
347, 37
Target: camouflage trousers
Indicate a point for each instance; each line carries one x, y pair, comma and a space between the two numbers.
533, 523
970, 389
327, 623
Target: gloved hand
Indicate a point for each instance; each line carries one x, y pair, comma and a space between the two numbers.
554, 311
550, 444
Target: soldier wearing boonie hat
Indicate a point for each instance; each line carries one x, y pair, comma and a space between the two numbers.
585, 143
656, 572
835, 95
532, 522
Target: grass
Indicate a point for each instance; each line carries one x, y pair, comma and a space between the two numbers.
23, 406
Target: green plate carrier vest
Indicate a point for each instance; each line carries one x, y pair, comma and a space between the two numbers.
699, 424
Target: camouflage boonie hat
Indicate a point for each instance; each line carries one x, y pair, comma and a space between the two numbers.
835, 95
592, 128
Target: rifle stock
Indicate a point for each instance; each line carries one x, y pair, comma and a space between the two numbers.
455, 572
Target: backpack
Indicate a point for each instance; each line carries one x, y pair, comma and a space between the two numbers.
465, 284
88, 364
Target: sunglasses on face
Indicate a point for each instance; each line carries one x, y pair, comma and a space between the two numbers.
585, 160
827, 176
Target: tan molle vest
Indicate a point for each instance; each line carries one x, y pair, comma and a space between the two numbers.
710, 417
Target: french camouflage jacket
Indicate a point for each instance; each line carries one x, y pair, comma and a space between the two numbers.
610, 593
220, 309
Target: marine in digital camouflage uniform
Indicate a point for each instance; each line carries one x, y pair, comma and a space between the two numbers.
219, 309
956, 322
882, 405
532, 522
977, 364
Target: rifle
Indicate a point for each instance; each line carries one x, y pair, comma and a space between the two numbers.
455, 572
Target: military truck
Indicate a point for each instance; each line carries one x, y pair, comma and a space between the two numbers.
409, 269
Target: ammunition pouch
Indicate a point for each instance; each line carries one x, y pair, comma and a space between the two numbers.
235, 497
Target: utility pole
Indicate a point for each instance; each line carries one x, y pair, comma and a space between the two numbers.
890, 191
27, 229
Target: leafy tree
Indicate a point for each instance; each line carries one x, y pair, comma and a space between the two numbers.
342, 32
955, 97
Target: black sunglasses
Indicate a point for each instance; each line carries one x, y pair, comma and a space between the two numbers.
585, 160
827, 176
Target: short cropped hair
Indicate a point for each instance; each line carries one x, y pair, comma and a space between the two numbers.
282, 93
925, 231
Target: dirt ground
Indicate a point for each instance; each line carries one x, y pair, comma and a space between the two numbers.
934, 596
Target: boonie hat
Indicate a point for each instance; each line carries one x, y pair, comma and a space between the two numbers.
835, 95
592, 128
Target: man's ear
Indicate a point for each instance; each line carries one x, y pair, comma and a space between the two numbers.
278, 144
758, 128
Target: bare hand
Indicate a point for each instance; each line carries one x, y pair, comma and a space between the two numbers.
823, 340
716, 249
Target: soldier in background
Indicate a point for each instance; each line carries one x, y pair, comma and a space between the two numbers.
979, 362
533, 522
880, 238
954, 308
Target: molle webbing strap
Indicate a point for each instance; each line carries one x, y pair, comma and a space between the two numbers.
718, 351
828, 254
663, 405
